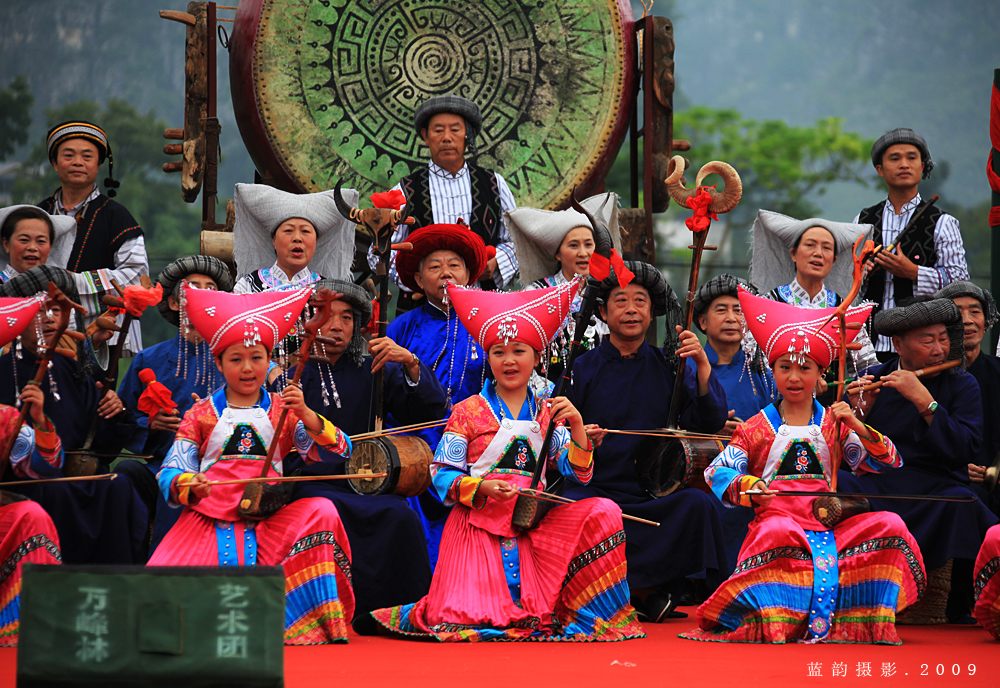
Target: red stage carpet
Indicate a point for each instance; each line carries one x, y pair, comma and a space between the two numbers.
930, 656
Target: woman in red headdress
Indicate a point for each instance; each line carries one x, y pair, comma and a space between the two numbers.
226, 437
27, 534
563, 579
798, 579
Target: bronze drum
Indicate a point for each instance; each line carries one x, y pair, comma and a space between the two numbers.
325, 91
407, 460
665, 465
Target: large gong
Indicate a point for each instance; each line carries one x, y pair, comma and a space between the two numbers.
324, 90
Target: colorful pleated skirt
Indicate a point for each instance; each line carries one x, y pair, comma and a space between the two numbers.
305, 538
987, 583
27, 536
844, 585
564, 580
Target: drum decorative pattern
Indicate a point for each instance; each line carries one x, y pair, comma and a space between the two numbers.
337, 81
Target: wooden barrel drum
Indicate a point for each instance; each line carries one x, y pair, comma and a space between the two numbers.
406, 460
665, 465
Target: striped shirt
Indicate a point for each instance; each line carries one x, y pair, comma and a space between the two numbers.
950, 266
451, 199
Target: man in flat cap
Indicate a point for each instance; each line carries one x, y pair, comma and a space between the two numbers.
452, 187
979, 313
109, 243
929, 254
935, 421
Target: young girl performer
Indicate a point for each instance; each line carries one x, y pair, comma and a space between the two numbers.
562, 580
225, 437
796, 578
27, 534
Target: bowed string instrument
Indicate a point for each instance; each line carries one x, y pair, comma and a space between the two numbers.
668, 462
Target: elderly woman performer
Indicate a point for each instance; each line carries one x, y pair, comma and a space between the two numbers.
284, 241
29, 237
552, 248
820, 270
32, 238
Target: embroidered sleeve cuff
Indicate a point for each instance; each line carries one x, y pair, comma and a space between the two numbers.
468, 492
47, 440
332, 438
582, 460
182, 489
880, 449
741, 485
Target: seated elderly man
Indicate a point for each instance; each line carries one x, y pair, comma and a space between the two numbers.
979, 313
103, 522
936, 421
627, 384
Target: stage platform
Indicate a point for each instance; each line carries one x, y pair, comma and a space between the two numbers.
929, 656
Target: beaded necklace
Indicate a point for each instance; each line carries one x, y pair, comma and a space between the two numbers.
451, 336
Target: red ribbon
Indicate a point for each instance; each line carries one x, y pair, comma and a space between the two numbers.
373, 323
699, 202
392, 200
156, 396
138, 298
600, 268
991, 176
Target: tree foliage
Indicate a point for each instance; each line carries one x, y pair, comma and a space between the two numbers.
15, 115
783, 167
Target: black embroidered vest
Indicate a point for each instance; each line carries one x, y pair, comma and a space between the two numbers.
101, 229
917, 244
485, 220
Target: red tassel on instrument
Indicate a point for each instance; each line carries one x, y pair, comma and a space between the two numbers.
156, 396
392, 200
701, 218
376, 311
600, 268
138, 298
